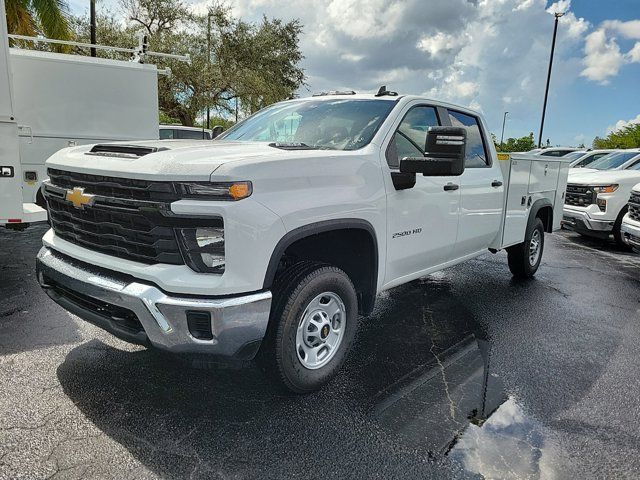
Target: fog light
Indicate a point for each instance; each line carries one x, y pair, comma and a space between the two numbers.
203, 248
602, 204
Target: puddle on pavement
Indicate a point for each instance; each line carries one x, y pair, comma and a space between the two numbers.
457, 410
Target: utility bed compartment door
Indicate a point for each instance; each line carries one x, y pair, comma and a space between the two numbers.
517, 210
544, 177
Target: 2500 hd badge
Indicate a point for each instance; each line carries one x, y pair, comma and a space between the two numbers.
407, 232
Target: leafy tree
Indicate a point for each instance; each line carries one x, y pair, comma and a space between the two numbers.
626, 137
39, 17
522, 144
251, 64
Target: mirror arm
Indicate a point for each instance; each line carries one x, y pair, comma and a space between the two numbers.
403, 181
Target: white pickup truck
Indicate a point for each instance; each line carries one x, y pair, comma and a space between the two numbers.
630, 227
269, 241
597, 197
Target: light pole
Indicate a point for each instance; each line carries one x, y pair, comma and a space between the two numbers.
557, 16
208, 68
92, 25
504, 119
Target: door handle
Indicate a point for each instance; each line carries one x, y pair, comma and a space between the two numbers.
451, 186
496, 183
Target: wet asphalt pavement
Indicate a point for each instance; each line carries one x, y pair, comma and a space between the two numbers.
462, 374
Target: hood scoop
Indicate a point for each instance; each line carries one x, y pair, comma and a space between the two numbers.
123, 151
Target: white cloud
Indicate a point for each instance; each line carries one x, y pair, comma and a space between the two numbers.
441, 43
603, 56
365, 18
623, 123
630, 29
489, 54
634, 54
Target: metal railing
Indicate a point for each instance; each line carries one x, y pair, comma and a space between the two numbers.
138, 54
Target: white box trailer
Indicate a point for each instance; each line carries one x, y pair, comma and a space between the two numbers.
64, 100
12, 209
49, 101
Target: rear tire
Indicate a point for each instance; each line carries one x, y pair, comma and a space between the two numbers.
313, 322
524, 258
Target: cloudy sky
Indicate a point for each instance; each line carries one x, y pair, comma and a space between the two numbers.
491, 55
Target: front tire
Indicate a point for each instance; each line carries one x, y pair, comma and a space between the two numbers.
524, 258
313, 323
617, 231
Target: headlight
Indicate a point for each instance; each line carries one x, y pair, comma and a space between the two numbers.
216, 191
605, 188
203, 248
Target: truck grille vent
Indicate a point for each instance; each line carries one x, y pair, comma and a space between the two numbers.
123, 227
115, 187
634, 206
580, 195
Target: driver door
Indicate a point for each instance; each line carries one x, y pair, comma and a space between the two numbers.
422, 222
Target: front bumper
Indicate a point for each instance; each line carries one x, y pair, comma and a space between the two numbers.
581, 221
141, 313
630, 233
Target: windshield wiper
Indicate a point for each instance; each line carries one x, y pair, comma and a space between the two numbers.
293, 146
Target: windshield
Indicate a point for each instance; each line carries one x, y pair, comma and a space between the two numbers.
613, 160
336, 124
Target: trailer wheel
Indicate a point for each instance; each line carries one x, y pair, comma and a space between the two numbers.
524, 258
313, 322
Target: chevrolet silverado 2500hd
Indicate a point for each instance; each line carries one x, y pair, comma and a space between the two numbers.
269, 241
630, 226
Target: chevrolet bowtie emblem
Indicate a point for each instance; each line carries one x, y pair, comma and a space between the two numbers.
79, 198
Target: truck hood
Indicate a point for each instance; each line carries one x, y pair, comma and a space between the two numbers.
603, 177
193, 160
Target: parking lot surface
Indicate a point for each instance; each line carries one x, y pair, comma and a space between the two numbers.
466, 373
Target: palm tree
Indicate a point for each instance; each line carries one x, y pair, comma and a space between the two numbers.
33, 17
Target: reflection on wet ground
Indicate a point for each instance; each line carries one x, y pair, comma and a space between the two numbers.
458, 408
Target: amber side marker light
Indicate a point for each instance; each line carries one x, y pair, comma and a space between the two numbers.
217, 190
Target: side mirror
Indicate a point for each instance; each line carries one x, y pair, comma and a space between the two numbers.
217, 130
444, 154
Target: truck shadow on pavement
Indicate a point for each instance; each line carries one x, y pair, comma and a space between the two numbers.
417, 387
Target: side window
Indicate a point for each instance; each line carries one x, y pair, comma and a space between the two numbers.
476, 154
192, 135
553, 153
166, 133
411, 135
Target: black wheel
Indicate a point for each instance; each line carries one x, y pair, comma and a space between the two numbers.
617, 232
313, 322
524, 258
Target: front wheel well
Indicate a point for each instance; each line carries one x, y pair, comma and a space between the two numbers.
353, 250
